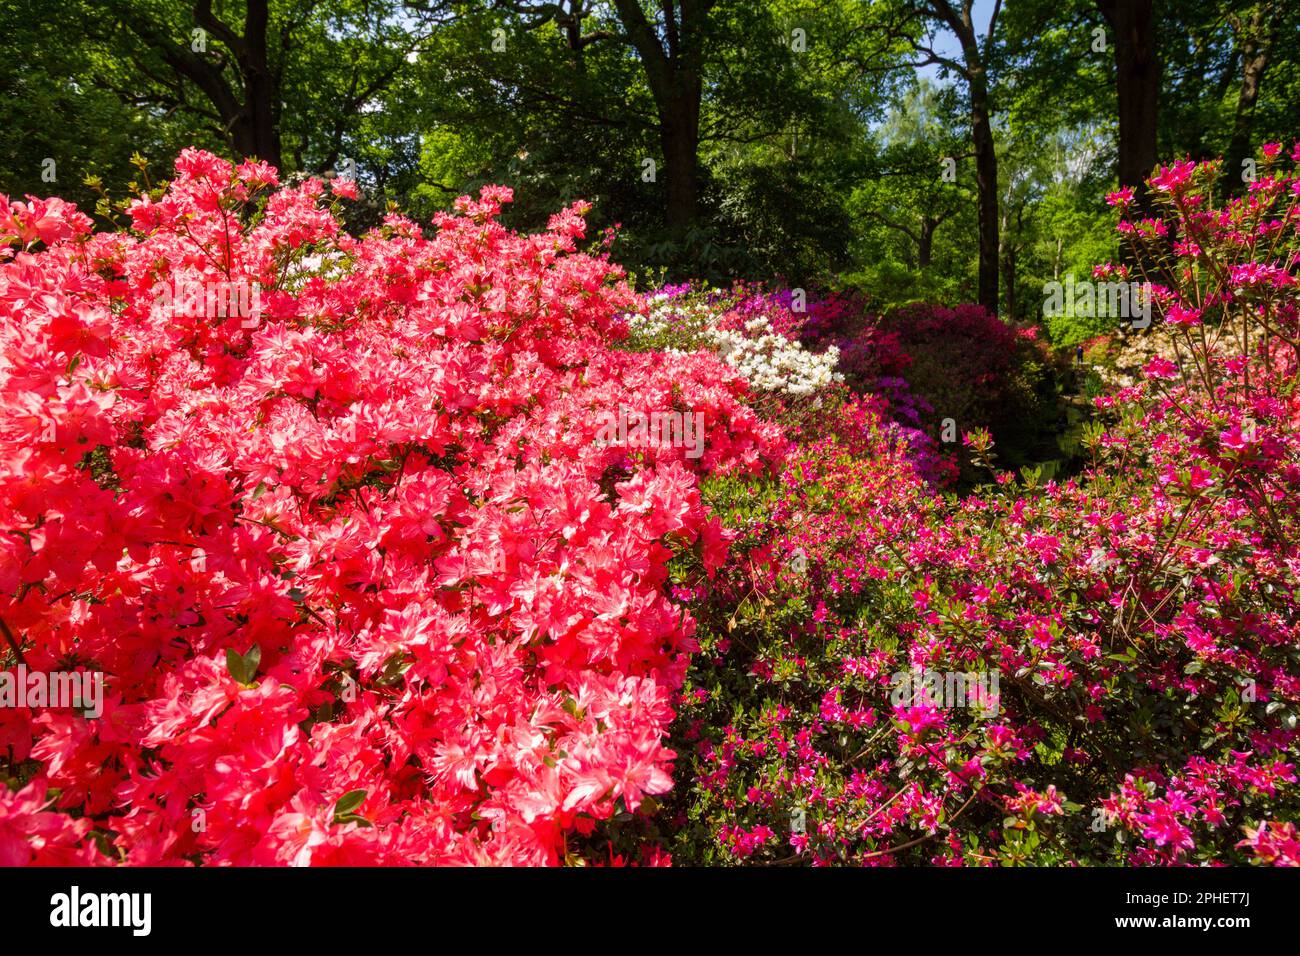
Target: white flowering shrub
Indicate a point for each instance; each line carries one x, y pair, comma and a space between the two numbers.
772, 362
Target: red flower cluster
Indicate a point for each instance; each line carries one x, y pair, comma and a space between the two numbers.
362, 584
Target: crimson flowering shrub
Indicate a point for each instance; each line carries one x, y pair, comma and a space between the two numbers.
363, 586
950, 370
1134, 632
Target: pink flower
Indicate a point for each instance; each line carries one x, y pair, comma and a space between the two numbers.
1273, 842
1174, 177
1162, 826
1160, 367
919, 719
257, 173
45, 220
1179, 314
1258, 273
1120, 197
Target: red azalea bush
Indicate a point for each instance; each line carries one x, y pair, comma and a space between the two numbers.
362, 583
1134, 632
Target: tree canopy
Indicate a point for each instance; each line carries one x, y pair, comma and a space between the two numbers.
911, 148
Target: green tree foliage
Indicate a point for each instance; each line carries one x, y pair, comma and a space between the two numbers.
788, 140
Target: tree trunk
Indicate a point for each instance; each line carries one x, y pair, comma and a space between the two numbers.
1009, 275
249, 110
1137, 87
259, 120
674, 75
254, 132
925, 241
986, 181
1256, 44
679, 133
975, 71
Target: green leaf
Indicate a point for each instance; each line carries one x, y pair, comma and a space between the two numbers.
243, 667
393, 670
349, 802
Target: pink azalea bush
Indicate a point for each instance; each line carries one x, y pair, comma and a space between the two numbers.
1135, 630
362, 583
